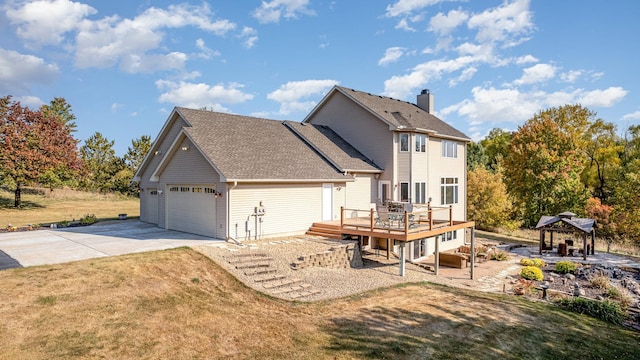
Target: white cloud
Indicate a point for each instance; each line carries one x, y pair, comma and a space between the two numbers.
502, 23
492, 105
198, 95
128, 42
403, 24
116, 106
402, 86
536, 73
526, 59
205, 52
443, 24
249, 36
391, 55
272, 11
45, 22
406, 7
466, 75
603, 98
32, 102
632, 116
571, 76
291, 95
17, 71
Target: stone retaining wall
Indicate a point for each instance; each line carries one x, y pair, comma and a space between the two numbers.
338, 257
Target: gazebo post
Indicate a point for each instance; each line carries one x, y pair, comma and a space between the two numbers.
551, 240
541, 240
593, 242
584, 246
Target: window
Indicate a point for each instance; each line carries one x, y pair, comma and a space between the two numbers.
404, 142
173, 188
184, 189
448, 236
209, 190
404, 191
448, 191
449, 149
420, 193
196, 189
421, 143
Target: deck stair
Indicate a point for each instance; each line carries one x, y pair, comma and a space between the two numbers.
328, 230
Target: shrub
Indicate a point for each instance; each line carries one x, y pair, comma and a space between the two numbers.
88, 219
605, 310
531, 273
565, 267
499, 256
532, 262
621, 295
601, 282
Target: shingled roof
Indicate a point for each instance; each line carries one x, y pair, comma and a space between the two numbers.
250, 148
401, 114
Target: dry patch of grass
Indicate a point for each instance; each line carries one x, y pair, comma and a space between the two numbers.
42, 206
180, 304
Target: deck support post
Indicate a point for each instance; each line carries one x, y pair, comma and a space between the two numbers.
388, 249
473, 252
437, 254
402, 258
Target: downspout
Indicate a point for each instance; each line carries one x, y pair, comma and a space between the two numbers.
228, 201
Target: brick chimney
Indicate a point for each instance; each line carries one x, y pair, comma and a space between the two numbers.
425, 101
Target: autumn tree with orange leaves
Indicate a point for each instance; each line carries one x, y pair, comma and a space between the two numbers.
32, 145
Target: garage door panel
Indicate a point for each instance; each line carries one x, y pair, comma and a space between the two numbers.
191, 209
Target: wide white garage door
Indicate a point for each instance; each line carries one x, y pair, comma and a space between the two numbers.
192, 209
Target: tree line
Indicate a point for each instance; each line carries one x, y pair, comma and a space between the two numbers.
38, 148
562, 159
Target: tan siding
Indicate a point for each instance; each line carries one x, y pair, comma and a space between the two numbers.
359, 194
358, 127
440, 167
339, 199
290, 208
184, 167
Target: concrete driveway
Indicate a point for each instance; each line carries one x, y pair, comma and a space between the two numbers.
55, 246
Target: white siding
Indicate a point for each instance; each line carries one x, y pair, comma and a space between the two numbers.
290, 208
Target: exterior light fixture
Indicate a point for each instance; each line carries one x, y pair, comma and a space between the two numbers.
185, 147
157, 152
217, 194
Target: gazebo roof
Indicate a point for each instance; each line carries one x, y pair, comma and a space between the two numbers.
585, 225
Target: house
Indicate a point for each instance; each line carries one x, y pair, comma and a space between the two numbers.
238, 177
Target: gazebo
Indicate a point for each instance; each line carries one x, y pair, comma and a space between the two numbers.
567, 222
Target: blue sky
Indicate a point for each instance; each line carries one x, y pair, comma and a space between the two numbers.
124, 65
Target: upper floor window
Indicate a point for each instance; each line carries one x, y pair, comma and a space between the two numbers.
421, 143
404, 142
449, 149
448, 191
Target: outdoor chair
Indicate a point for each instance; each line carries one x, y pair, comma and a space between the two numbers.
382, 216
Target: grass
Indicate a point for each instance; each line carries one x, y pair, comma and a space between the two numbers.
180, 304
42, 206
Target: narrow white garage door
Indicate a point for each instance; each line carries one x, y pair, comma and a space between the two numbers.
192, 209
151, 206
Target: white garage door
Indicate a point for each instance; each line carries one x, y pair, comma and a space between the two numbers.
192, 209
151, 206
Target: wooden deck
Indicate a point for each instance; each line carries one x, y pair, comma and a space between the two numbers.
404, 227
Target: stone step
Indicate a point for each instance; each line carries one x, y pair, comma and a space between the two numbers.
269, 277
260, 271
236, 258
302, 294
251, 265
296, 288
281, 283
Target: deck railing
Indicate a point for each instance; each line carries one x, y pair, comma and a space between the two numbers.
421, 220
